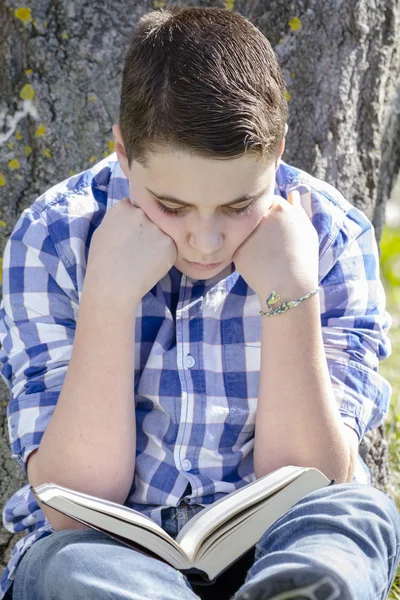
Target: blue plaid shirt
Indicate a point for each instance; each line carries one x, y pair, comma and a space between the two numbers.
197, 347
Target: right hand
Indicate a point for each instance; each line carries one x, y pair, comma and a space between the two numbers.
129, 253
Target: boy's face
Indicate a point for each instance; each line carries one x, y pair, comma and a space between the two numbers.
204, 231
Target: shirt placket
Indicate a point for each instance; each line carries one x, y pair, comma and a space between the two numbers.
186, 359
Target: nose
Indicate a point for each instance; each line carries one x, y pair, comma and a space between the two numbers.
206, 239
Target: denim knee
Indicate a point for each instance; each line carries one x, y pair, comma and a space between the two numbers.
384, 506
91, 565
68, 556
352, 503
93, 568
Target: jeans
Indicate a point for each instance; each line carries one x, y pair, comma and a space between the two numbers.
353, 528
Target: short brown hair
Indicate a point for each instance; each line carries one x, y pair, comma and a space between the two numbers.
204, 80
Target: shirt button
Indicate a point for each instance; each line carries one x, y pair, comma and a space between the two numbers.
190, 361
186, 464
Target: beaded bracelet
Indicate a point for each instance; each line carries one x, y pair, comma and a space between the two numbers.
274, 297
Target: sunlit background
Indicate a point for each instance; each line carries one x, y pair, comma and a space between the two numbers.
390, 367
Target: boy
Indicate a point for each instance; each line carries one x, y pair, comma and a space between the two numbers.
136, 354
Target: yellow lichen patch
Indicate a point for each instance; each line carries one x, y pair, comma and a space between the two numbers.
92, 159
10, 145
292, 74
68, 146
281, 41
92, 97
41, 130
295, 24
28, 71
4, 403
18, 135
27, 150
287, 95
110, 150
47, 152
23, 14
72, 173
159, 3
27, 92
229, 4
3, 224
2, 180
14, 164
64, 36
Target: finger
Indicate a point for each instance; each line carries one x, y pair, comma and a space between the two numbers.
275, 200
294, 198
131, 201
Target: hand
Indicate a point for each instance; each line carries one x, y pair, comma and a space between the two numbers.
282, 253
129, 253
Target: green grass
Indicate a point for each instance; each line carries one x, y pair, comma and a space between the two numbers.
390, 367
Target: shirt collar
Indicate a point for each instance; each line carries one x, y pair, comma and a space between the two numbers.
119, 185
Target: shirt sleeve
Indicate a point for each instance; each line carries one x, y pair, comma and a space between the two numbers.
37, 325
355, 323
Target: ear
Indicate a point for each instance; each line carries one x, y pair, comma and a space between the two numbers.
281, 149
120, 150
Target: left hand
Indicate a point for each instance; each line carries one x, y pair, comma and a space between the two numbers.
282, 253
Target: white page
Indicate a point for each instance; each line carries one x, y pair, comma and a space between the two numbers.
228, 527
201, 525
245, 536
48, 494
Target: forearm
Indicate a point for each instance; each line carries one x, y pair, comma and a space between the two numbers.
297, 420
90, 441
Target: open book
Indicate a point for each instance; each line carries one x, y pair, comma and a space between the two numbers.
213, 539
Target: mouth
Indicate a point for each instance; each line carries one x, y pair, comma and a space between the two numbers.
206, 266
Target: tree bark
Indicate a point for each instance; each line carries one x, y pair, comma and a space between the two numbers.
61, 65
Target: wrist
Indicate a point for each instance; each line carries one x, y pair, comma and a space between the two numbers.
287, 292
305, 312
97, 296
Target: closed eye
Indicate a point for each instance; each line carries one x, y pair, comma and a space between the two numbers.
179, 211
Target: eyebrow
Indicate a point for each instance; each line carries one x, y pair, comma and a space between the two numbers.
245, 198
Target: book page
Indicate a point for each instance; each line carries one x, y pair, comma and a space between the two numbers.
227, 528
49, 492
206, 521
225, 550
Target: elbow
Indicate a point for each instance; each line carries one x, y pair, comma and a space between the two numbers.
57, 520
38, 474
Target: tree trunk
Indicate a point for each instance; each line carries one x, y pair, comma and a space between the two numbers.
61, 64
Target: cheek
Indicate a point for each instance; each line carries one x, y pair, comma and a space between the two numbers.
167, 224
156, 216
243, 229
